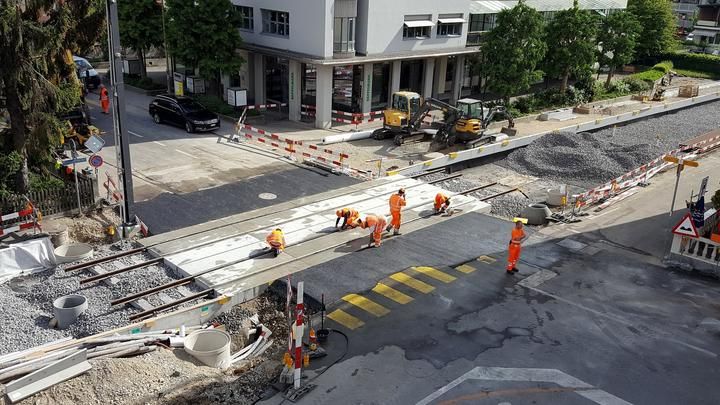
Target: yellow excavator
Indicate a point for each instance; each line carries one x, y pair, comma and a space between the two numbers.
470, 128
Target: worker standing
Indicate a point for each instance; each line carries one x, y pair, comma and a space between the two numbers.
517, 237
397, 201
276, 240
442, 202
377, 223
349, 217
104, 99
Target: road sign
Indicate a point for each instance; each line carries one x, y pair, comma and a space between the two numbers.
680, 162
74, 161
686, 227
95, 161
703, 186
95, 143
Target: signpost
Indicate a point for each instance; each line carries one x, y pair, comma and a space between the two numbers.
96, 161
681, 163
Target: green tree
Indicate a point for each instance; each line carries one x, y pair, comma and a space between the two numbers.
617, 40
571, 44
204, 35
515, 47
38, 78
140, 27
658, 25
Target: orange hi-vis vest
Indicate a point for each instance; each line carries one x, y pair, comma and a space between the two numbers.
516, 235
276, 238
396, 202
370, 221
440, 199
347, 213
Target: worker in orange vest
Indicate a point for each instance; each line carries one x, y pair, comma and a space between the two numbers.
276, 240
349, 217
377, 223
397, 201
104, 99
517, 237
442, 202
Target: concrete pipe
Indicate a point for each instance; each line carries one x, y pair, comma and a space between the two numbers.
72, 253
67, 309
555, 197
210, 346
346, 137
536, 214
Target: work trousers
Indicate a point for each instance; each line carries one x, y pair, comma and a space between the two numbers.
395, 220
513, 255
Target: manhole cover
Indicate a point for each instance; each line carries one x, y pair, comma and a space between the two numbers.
267, 196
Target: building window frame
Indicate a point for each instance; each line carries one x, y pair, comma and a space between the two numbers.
246, 18
344, 35
482, 22
449, 29
418, 32
276, 23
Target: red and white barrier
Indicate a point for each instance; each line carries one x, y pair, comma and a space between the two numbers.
28, 211
261, 106
299, 313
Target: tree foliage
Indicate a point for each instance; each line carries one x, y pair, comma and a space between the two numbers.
571, 44
513, 49
141, 24
38, 77
658, 24
204, 35
617, 39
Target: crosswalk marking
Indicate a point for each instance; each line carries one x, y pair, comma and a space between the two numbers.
345, 319
366, 305
465, 268
412, 282
487, 259
392, 293
435, 273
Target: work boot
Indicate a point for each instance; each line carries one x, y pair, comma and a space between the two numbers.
514, 270
388, 228
277, 252
396, 232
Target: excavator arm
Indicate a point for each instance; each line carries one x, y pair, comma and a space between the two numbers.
432, 104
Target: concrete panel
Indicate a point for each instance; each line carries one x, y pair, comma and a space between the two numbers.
323, 99
294, 90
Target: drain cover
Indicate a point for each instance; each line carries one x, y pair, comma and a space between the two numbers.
267, 196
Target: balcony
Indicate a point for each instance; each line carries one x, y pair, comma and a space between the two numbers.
707, 24
475, 38
709, 2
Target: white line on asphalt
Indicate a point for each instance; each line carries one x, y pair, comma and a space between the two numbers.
159, 143
136, 134
185, 153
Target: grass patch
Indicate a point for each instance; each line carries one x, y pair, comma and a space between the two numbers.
655, 73
697, 74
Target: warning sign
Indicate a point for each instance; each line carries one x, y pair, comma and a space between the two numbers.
686, 227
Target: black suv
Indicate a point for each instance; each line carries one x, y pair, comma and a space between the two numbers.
183, 111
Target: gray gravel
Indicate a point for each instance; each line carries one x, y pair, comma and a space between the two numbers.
590, 159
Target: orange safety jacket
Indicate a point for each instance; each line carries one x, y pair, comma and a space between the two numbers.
276, 239
347, 213
440, 199
396, 202
516, 236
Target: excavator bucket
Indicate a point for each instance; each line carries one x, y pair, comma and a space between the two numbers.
509, 131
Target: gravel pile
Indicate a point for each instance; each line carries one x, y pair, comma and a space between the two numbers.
590, 159
29, 302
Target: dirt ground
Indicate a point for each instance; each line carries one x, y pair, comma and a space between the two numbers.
91, 228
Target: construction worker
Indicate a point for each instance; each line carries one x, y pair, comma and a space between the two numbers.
377, 223
517, 237
349, 217
442, 202
104, 99
276, 240
397, 201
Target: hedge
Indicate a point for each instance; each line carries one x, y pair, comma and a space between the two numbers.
695, 61
655, 73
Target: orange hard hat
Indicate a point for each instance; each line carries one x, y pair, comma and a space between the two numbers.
339, 213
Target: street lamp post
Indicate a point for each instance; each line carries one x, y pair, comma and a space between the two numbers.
168, 81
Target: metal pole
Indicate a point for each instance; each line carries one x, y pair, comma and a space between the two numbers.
168, 81
122, 145
77, 184
672, 209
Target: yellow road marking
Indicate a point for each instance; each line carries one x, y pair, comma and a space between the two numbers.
487, 259
392, 293
366, 304
435, 273
465, 268
412, 283
345, 319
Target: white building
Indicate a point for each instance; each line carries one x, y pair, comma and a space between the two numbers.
350, 55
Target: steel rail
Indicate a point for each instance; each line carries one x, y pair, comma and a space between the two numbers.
91, 263
109, 274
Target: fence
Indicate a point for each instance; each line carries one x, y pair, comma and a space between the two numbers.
57, 201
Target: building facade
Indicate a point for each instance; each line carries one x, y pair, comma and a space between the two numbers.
324, 58
707, 25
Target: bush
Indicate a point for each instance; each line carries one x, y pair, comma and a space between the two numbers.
524, 105
655, 73
619, 87
695, 61
45, 182
636, 85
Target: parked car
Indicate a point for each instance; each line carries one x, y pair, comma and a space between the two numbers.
184, 112
86, 72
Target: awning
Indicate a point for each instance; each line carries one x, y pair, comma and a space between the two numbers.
451, 20
422, 23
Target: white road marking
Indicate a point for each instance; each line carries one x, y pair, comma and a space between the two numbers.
136, 134
185, 153
530, 375
159, 143
537, 278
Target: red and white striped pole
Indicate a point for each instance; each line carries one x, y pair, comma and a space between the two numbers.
300, 310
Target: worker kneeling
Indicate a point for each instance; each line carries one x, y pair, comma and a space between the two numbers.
397, 201
377, 223
276, 240
349, 217
442, 202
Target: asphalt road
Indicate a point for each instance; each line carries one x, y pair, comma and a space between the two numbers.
183, 179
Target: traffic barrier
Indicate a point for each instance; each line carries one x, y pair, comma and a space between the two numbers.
261, 106
276, 140
28, 211
114, 192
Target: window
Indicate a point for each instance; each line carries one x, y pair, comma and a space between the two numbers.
344, 34
482, 22
246, 18
450, 25
417, 26
276, 22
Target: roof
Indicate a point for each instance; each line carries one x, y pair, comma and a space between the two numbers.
495, 6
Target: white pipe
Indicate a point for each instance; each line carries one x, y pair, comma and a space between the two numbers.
347, 136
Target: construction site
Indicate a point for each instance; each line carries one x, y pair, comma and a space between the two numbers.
215, 312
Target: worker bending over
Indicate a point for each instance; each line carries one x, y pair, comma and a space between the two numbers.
377, 223
397, 201
276, 240
517, 237
349, 217
442, 202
